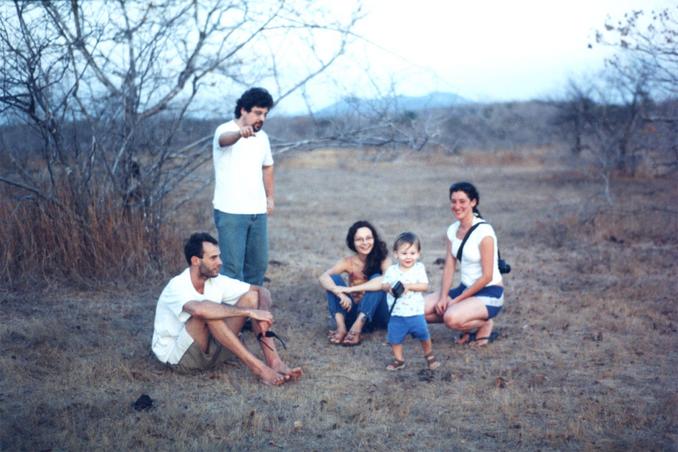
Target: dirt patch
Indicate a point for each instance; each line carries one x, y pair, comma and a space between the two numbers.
585, 359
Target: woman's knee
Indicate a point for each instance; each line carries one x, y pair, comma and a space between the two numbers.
338, 280
452, 320
372, 303
373, 299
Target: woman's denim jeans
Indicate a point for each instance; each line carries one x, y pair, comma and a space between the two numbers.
373, 305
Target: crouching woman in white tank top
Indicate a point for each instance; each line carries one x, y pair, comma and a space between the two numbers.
469, 307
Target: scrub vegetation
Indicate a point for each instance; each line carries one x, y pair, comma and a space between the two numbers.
584, 359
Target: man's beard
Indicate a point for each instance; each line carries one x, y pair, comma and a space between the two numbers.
204, 272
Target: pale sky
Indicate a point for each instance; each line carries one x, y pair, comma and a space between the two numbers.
484, 50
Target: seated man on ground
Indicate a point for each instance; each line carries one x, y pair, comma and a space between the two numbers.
200, 314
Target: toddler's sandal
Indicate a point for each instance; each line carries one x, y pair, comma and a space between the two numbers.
396, 364
432, 362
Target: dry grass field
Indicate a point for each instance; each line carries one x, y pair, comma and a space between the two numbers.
586, 358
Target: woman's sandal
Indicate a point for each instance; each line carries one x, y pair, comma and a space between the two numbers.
352, 339
483, 341
337, 338
465, 338
396, 364
432, 362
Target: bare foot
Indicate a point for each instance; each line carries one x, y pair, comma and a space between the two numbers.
352, 339
271, 377
338, 337
289, 374
294, 374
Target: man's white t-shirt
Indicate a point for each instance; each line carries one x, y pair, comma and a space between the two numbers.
238, 177
169, 344
471, 267
413, 302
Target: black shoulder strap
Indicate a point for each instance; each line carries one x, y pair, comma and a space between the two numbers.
463, 242
392, 306
395, 300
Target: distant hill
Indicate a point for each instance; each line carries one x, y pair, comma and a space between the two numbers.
356, 105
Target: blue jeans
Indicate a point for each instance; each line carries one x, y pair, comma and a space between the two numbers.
373, 305
243, 242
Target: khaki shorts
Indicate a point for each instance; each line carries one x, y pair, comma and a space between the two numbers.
195, 359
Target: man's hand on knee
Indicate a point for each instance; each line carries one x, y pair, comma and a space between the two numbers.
261, 316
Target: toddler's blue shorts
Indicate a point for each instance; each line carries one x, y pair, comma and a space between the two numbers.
399, 327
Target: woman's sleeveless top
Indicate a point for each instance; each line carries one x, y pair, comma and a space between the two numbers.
355, 277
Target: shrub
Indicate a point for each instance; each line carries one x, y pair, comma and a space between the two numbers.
45, 241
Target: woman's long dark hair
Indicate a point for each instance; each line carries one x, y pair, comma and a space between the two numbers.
471, 192
379, 250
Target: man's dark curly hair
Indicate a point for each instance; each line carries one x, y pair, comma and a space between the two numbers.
253, 97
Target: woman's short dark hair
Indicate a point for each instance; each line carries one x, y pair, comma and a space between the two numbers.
471, 192
253, 97
193, 246
379, 250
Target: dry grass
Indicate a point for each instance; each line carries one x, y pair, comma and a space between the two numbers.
47, 243
586, 359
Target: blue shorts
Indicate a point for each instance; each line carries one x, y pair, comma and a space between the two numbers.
399, 327
492, 296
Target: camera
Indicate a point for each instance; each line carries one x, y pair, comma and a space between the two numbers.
504, 266
397, 290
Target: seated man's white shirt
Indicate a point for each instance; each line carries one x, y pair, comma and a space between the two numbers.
169, 344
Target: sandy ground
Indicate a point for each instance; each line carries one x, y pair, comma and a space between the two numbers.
586, 357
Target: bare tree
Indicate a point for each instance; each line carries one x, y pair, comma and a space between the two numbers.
649, 40
625, 117
381, 122
107, 85
647, 43
604, 120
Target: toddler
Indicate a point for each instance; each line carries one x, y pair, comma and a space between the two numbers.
406, 301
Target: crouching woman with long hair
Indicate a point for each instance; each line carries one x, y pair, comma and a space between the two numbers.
469, 307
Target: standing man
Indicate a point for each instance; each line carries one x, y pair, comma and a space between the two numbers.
243, 189
201, 312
